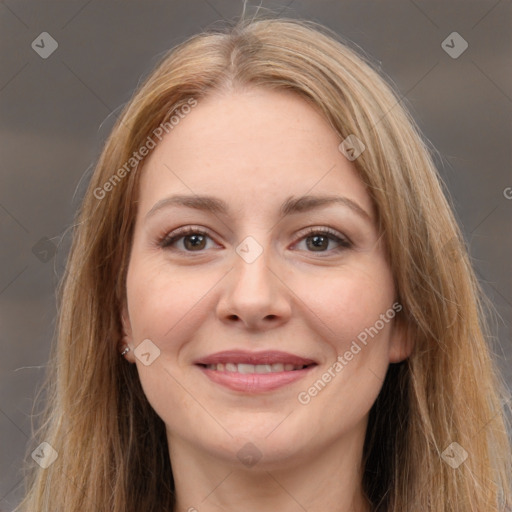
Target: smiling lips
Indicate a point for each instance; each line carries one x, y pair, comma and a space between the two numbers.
254, 371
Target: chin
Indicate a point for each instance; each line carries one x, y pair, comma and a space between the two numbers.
261, 446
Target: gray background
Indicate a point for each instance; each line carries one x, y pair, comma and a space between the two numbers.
56, 112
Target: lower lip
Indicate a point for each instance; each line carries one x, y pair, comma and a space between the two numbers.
255, 382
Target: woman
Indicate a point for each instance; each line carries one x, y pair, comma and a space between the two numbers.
320, 351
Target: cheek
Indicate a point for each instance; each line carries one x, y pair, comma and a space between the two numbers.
355, 308
345, 302
165, 304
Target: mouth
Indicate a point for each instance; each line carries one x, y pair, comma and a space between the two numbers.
254, 372
247, 368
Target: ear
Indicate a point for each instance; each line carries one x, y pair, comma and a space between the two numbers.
127, 339
401, 343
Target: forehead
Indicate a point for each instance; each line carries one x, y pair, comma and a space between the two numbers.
253, 147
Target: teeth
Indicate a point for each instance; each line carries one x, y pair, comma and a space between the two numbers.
254, 368
245, 368
263, 368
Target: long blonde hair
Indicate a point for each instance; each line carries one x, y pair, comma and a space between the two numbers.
111, 445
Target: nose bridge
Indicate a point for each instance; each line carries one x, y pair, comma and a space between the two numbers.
252, 263
254, 293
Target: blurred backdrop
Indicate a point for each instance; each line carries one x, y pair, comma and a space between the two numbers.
68, 67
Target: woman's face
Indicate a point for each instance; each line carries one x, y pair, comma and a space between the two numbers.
258, 289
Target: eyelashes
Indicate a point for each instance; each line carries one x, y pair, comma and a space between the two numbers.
198, 235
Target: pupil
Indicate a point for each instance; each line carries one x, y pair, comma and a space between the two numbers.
196, 240
317, 241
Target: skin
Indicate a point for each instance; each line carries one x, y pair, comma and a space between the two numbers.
254, 149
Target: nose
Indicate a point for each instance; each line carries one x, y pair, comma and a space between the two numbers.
255, 294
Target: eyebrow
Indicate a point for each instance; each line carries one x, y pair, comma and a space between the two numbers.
290, 206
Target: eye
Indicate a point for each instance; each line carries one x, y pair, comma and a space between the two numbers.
194, 239
320, 238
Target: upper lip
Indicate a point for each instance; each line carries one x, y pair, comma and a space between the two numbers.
262, 357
